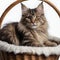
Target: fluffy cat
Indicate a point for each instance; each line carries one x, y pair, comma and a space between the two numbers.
30, 31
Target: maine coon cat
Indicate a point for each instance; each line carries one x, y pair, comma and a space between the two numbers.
30, 31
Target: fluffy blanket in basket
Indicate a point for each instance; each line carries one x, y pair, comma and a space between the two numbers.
4, 46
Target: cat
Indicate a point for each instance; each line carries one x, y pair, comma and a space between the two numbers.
30, 31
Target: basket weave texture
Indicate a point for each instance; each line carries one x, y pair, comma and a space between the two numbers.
11, 56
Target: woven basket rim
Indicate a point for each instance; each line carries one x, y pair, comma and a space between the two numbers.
47, 51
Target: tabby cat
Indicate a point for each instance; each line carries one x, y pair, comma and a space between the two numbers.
30, 31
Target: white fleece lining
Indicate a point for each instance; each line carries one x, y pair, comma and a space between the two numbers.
4, 46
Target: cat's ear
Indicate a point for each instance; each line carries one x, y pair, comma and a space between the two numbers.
24, 8
40, 8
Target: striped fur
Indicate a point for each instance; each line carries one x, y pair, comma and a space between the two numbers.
30, 31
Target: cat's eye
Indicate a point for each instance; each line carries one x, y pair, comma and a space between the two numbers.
42, 14
23, 15
38, 17
27, 19
42, 21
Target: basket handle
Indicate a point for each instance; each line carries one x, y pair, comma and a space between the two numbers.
53, 6
18, 1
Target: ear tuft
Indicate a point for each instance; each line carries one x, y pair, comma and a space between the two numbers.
40, 5
24, 8
40, 8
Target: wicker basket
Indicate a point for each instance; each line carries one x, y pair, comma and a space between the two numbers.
24, 56
11, 56
27, 54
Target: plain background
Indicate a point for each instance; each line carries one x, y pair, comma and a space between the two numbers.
14, 14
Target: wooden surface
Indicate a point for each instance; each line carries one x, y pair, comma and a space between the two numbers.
11, 56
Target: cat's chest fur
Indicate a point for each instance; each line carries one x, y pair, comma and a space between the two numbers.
37, 35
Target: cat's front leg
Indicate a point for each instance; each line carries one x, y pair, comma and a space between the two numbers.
37, 44
30, 40
10, 38
49, 43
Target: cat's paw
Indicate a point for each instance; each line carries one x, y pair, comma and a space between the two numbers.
53, 44
37, 45
49, 43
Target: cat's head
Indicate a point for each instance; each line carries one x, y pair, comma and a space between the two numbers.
33, 18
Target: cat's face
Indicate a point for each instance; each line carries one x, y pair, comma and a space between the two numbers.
33, 18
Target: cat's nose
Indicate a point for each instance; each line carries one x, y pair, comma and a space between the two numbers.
34, 24
33, 19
